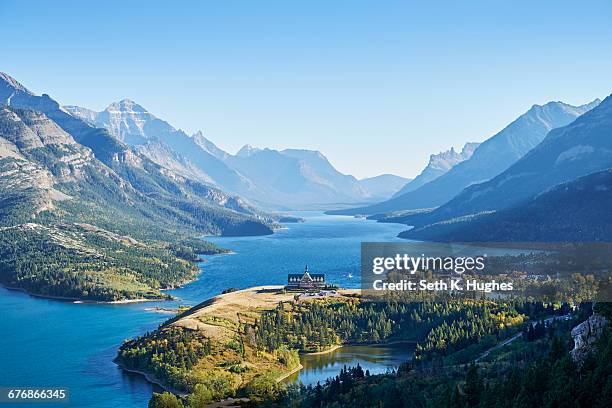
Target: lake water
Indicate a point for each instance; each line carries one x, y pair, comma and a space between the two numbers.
50, 343
377, 359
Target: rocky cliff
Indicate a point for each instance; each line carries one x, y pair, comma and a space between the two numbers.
585, 335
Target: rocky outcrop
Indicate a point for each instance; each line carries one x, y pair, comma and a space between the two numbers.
585, 334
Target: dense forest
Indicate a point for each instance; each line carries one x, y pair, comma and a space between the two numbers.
79, 262
536, 371
166, 354
83, 216
447, 334
441, 329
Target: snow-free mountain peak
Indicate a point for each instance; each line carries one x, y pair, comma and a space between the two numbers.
576, 150
8, 83
247, 150
489, 159
126, 105
209, 146
446, 160
126, 120
438, 165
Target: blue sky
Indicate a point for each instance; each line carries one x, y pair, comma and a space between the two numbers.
376, 86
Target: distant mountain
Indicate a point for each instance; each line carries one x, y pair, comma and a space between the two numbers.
489, 159
84, 216
189, 156
316, 166
438, 165
295, 178
580, 148
86, 115
195, 204
247, 150
307, 181
578, 210
383, 186
304, 179
209, 146
165, 156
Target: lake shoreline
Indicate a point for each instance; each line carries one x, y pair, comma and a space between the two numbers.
290, 373
162, 298
151, 379
83, 301
339, 346
253, 261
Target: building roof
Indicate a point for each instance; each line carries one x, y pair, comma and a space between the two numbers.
300, 275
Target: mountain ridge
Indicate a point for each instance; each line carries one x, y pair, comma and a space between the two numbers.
308, 180
577, 210
489, 159
438, 165
568, 152
127, 165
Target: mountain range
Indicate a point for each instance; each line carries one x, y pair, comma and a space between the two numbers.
438, 165
85, 216
159, 141
289, 179
568, 153
134, 173
578, 210
105, 205
489, 159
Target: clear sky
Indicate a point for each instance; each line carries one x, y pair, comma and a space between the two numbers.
376, 86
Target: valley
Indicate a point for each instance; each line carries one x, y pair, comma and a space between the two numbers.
105, 210
93, 332
305, 204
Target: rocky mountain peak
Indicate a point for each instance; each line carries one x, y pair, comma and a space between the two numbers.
209, 146
468, 149
126, 106
8, 81
585, 335
449, 158
247, 150
126, 121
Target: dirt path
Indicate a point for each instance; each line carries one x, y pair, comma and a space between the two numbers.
516, 336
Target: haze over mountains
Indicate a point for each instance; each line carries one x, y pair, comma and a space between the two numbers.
489, 159
72, 158
107, 165
578, 210
292, 178
438, 165
581, 148
162, 143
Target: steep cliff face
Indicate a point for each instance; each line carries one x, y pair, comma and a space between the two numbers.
492, 157
438, 165
87, 163
585, 335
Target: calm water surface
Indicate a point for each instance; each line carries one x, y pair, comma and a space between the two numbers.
49, 343
376, 359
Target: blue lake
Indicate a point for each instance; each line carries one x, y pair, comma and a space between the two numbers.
377, 359
50, 343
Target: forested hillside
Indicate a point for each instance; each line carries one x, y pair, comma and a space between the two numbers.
84, 216
574, 211
536, 371
189, 354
